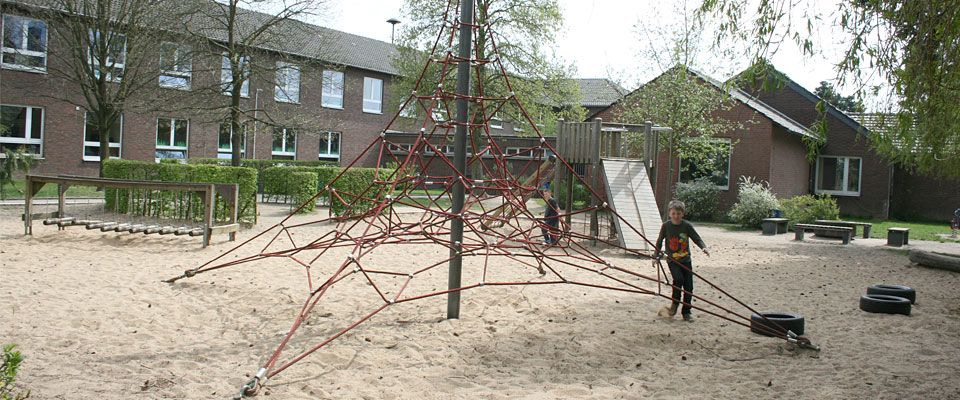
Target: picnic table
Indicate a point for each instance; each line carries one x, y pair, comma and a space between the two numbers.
850, 224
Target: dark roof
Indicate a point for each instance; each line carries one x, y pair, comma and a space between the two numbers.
599, 92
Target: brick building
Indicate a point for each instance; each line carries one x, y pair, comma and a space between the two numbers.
771, 148
343, 96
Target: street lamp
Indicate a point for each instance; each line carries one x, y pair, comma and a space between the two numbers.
393, 26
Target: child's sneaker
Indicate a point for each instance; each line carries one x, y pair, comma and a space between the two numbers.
688, 317
668, 311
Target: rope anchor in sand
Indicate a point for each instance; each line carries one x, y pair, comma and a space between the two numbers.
801, 341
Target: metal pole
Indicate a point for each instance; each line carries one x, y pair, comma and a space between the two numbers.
460, 159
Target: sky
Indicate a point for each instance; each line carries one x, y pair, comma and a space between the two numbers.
600, 38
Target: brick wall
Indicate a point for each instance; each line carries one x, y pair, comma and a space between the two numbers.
64, 124
873, 200
918, 197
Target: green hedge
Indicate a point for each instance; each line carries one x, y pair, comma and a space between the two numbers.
176, 204
351, 184
304, 186
262, 165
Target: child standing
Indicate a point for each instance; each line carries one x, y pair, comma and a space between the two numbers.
678, 233
550, 218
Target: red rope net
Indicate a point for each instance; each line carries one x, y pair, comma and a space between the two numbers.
404, 207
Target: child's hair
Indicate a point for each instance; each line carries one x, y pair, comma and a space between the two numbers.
677, 205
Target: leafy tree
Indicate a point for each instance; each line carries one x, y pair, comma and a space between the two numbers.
912, 45
523, 33
850, 103
688, 104
12, 161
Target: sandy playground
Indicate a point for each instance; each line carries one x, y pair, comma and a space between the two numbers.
94, 321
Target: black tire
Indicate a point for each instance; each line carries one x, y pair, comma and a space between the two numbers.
894, 290
776, 323
884, 304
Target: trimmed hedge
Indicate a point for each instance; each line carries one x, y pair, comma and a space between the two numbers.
303, 186
262, 165
351, 184
174, 204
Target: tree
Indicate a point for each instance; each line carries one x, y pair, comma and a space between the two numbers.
680, 98
688, 104
523, 33
103, 51
843, 103
250, 41
913, 45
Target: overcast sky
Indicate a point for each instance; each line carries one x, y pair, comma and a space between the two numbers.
600, 38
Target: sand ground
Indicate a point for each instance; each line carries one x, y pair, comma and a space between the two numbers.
94, 321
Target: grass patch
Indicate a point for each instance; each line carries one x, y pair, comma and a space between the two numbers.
729, 227
918, 230
50, 191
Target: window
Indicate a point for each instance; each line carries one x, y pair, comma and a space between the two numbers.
496, 121
175, 66
838, 175
284, 144
91, 138
172, 137
512, 151
108, 53
24, 43
225, 144
288, 83
519, 122
410, 111
713, 164
23, 129
226, 75
332, 95
330, 146
372, 95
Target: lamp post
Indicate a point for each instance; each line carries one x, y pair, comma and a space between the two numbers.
393, 26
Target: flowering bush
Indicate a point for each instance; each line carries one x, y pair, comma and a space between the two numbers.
754, 202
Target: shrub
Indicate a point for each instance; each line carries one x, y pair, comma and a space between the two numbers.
754, 202
702, 198
8, 374
294, 184
261, 165
177, 204
304, 186
808, 208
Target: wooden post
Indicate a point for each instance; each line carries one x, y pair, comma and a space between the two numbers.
28, 207
595, 176
208, 199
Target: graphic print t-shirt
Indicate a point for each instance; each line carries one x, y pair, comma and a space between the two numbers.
678, 239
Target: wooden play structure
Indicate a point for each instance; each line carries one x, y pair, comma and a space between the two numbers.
604, 150
206, 192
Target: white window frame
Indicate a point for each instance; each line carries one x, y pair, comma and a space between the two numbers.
330, 96
513, 151
181, 64
226, 75
498, 117
372, 101
328, 155
113, 145
729, 143
846, 176
171, 135
112, 60
227, 153
24, 21
287, 86
27, 139
284, 151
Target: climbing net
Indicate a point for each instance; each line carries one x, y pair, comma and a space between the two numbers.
406, 206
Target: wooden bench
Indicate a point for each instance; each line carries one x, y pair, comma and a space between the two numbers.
897, 237
773, 226
844, 231
853, 224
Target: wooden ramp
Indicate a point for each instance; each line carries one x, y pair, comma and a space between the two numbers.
630, 193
